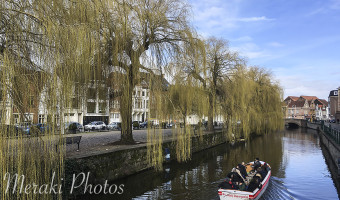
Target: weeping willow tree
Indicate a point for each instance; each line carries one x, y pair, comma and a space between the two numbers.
44, 47
252, 103
185, 99
212, 73
143, 37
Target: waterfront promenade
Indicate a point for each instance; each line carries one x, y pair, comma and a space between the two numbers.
93, 143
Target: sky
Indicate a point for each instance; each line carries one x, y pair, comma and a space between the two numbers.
297, 40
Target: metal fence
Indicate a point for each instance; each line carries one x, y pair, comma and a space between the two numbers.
332, 132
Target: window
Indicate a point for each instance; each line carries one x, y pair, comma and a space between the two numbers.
75, 103
41, 119
31, 101
102, 107
16, 118
91, 93
91, 107
57, 120
147, 104
102, 93
116, 115
143, 93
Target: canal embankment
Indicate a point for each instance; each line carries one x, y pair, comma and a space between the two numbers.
112, 162
330, 139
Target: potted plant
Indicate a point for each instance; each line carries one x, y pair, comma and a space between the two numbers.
135, 125
72, 128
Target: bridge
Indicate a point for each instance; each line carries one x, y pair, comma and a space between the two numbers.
291, 122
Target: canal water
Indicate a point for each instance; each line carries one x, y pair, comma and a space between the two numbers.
299, 171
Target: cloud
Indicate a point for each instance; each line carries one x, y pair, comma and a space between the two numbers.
220, 18
275, 44
250, 50
333, 5
253, 19
306, 80
243, 39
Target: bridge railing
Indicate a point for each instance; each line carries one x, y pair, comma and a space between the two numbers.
332, 132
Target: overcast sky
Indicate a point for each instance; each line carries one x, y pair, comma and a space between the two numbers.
298, 40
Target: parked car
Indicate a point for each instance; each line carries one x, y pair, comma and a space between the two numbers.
96, 125
43, 128
171, 125
24, 127
143, 125
74, 127
34, 129
113, 126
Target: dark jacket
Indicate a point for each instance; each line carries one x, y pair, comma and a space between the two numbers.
256, 164
254, 183
263, 173
235, 177
227, 185
243, 170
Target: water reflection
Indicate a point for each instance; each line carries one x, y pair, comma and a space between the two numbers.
299, 171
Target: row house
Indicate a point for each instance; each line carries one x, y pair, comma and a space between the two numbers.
306, 107
334, 101
97, 106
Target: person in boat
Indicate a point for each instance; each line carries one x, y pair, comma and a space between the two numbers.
242, 186
227, 184
243, 170
261, 172
257, 164
266, 167
235, 176
254, 183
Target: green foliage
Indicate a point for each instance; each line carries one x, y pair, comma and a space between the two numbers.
135, 124
252, 105
68, 50
72, 127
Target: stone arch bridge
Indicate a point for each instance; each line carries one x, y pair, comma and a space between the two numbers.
295, 122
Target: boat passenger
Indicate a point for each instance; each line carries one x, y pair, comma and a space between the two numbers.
263, 171
226, 184
243, 170
242, 186
266, 167
257, 164
254, 183
234, 176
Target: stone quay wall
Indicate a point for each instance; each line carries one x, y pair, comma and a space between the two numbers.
116, 164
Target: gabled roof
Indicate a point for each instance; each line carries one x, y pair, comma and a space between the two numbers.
322, 101
298, 104
309, 98
293, 98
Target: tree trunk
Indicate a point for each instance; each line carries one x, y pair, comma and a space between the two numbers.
211, 113
126, 109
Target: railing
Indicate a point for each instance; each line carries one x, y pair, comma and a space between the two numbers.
332, 132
